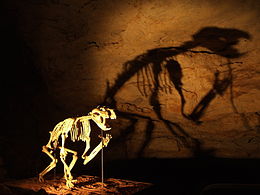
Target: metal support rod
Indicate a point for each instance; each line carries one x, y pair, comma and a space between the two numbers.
102, 160
55, 168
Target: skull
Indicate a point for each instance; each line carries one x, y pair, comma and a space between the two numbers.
100, 115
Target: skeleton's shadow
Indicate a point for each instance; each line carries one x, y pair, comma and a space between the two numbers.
219, 87
156, 67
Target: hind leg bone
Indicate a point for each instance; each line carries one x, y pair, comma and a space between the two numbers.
51, 165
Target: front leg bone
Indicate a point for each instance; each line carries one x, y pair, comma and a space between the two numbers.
86, 148
103, 143
106, 139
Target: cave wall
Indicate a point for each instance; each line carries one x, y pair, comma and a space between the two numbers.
182, 75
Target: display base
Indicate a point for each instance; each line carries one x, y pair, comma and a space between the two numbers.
84, 185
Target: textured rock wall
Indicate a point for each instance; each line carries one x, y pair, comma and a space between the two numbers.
183, 75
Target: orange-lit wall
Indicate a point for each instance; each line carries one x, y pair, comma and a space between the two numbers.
61, 56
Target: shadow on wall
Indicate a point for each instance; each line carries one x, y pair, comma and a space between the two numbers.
159, 64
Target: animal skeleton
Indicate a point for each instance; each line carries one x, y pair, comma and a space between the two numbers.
79, 129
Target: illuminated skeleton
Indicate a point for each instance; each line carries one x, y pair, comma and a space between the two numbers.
79, 129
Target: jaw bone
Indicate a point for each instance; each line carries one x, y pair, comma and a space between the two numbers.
100, 116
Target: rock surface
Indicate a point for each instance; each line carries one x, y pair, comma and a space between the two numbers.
83, 185
182, 75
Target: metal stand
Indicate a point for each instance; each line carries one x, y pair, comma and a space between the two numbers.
55, 168
102, 160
